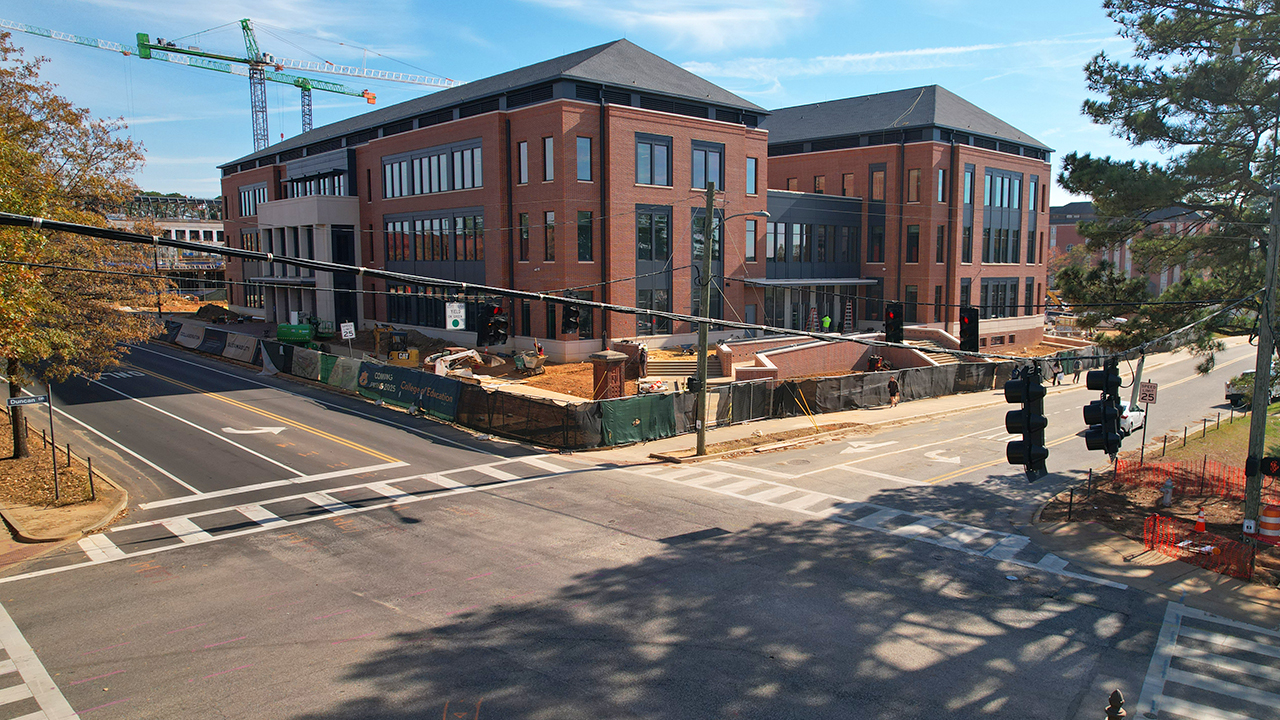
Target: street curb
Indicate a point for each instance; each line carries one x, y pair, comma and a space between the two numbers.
22, 535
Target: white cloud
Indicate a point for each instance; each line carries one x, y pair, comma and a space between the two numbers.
891, 61
706, 25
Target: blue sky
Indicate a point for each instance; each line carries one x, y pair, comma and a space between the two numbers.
1019, 61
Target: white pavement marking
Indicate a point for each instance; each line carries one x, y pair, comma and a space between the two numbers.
803, 503
99, 559
872, 521
771, 493
922, 525
187, 531
440, 480
492, 472
738, 487
47, 695
335, 406
329, 502
99, 547
260, 515
274, 483
705, 480
1052, 563
882, 476
1160, 671
14, 694
762, 471
7, 666
1008, 547
202, 429
543, 464
862, 446
387, 491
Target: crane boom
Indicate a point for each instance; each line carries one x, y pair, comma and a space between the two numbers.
351, 71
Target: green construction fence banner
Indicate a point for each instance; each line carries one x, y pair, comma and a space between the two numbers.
439, 396
638, 419
327, 362
393, 385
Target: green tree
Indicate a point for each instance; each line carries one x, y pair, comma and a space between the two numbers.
1216, 117
58, 162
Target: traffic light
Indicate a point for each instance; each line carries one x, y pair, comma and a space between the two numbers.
1030, 452
570, 319
969, 329
893, 322
492, 326
1103, 415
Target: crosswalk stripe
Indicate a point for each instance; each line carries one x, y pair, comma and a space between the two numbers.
738, 487
328, 502
1232, 642
804, 502
7, 666
1196, 710
703, 481
1052, 563
37, 715
919, 526
544, 464
771, 493
1244, 692
1008, 547
259, 514
443, 481
387, 491
187, 531
493, 472
873, 520
99, 547
14, 694
1227, 663
271, 484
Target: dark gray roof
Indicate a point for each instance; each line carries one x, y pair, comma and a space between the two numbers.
932, 105
620, 63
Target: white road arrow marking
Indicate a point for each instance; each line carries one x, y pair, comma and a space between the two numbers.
858, 446
934, 456
254, 431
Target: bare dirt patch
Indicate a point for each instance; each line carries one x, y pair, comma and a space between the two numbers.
753, 441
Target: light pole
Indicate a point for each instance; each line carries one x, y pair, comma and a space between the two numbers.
708, 241
1266, 348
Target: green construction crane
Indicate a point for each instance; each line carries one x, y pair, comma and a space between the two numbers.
259, 67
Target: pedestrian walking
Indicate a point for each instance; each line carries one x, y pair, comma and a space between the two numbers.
1058, 376
1077, 365
893, 391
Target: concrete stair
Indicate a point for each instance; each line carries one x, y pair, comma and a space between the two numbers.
929, 348
684, 367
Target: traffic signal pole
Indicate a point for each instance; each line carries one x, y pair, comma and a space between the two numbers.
1262, 378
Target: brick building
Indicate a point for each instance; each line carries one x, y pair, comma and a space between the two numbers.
579, 172
1064, 235
954, 211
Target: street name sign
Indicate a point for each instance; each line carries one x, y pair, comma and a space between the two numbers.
32, 400
1146, 392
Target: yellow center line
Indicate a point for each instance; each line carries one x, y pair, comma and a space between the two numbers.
962, 471
257, 411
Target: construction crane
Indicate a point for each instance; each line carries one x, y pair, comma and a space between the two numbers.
259, 67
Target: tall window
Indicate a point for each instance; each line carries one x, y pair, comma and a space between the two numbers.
438, 169
942, 185
913, 185
749, 242
653, 235
820, 184
940, 245
549, 162
659, 299
1030, 300
911, 303
966, 286
751, 176
585, 326
523, 150
913, 243
968, 187
846, 184
877, 185
585, 239
708, 165
937, 303
524, 236
549, 236
653, 159
584, 158
875, 244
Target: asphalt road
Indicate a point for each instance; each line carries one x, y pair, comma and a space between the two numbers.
876, 578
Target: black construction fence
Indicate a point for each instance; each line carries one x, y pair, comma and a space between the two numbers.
604, 423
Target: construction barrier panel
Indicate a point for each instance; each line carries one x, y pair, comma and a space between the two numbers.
536, 420
327, 362
685, 405
241, 347
171, 330
306, 364
637, 419
1195, 479
214, 342
744, 402
345, 374
191, 335
389, 383
1177, 539
279, 357
439, 397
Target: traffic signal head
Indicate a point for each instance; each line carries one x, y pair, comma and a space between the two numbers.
1106, 380
969, 329
1029, 422
492, 326
570, 319
1103, 415
893, 323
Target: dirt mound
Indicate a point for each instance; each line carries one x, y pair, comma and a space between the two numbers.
215, 313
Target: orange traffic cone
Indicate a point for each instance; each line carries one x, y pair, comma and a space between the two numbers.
1200, 521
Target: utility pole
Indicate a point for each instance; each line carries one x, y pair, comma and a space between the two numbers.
705, 312
1262, 376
